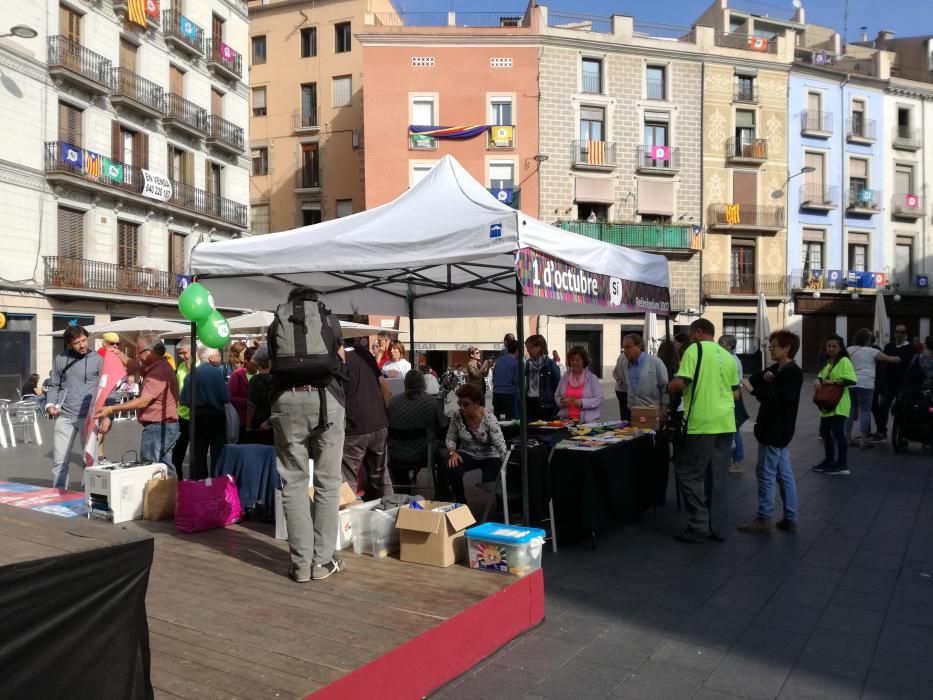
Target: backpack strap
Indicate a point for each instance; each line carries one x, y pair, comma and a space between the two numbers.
299, 321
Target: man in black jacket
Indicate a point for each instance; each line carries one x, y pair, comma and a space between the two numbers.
778, 390
889, 379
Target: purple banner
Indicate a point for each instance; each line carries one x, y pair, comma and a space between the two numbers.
549, 278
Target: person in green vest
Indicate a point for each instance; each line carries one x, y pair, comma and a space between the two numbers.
837, 370
183, 366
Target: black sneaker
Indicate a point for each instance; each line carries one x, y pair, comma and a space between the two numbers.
822, 467
322, 571
837, 470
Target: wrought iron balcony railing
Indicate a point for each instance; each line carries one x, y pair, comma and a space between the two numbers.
227, 132
108, 278
746, 284
305, 120
221, 56
127, 84
839, 280
747, 150
906, 137
863, 199
860, 129
182, 32
908, 206
813, 122
747, 42
746, 216
819, 196
594, 154
78, 60
185, 112
308, 179
637, 235
657, 158
744, 92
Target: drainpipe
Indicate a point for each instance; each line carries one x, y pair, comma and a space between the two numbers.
843, 190
923, 179
700, 299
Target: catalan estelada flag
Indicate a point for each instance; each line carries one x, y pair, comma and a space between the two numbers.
138, 12
733, 214
92, 163
596, 152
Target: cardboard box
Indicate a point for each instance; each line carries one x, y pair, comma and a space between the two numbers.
347, 495
433, 537
645, 417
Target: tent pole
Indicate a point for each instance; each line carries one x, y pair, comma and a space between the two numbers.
192, 379
667, 327
522, 404
411, 331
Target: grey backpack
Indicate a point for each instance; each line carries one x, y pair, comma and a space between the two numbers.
303, 345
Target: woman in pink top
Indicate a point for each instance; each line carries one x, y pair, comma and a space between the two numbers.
579, 393
239, 387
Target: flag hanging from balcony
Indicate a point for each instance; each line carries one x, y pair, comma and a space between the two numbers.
733, 214
226, 53
503, 194
137, 14
911, 201
596, 152
448, 132
501, 136
152, 10
72, 156
92, 163
696, 238
113, 171
188, 29
758, 43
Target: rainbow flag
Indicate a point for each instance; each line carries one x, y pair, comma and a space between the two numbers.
137, 12
448, 132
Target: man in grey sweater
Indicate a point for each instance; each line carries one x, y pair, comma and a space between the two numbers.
72, 387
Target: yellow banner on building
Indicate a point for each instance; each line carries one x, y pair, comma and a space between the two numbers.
733, 215
137, 13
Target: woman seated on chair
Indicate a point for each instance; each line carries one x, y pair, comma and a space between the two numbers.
474, 441
412, 412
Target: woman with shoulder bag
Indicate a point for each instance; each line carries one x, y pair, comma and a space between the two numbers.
831, 395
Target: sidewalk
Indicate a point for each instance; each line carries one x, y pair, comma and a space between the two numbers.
843, 609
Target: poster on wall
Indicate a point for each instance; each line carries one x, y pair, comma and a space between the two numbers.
549, 278
156, 186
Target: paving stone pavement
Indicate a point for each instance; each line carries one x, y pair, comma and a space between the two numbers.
842, 609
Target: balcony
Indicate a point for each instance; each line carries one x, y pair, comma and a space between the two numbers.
102, 278
500, 137
744, 284
678, 300
136, 93
863, 201
594, 155
224, 135
760, 218
860, 130
815, 279
753, 152
421, 142
71, 62
746, 42
906, 138
308, 180
649, 236
182, 34
223, 60
901, 281
814, 57
818, 125
184, 116
592, 84
512, 197
908, 206
305, 122
745, 93
819, 197
66, 164
121, 9
657, 160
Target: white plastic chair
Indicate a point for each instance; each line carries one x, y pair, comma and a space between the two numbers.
23, 414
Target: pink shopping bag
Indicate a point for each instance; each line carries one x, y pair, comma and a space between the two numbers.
204, 505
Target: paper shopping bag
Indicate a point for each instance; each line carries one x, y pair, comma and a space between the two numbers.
159, 498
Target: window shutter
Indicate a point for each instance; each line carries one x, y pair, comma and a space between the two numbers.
208, 180
141, 150
656, 197
858, 168
745, 188
188, 178
69, 124
70, 233
116, 141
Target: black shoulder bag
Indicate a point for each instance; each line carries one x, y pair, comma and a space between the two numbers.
675, 430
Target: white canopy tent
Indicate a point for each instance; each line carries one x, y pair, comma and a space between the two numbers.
446, 248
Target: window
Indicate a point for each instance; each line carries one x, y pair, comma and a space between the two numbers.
217, 29
176, 252
655, 134
813, 182
69, 124
309, 104
903, 260
344, 208
259, 50
744, 130
310, 166
180, 165
342, 37
657, 89
130, 147
127, 244
742, 268
592, 211
744, 88
592, 75
744, 331
128, 55
422, 111
592, 123
259, 102
500, 111
259, 218
69, 24
418, 172
858, 181
309, 42
903, 179
903, 118
310, 215
260, 158
502, 175
217, 102
213, 176
858, 257
70, 233
858, 118
812, 253
176, 80
343, 91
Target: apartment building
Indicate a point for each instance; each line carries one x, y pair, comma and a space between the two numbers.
306, 111
129, 149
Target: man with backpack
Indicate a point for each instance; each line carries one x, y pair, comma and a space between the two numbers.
307, 421
72, 389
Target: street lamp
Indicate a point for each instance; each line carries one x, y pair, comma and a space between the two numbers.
778, 193
21, 31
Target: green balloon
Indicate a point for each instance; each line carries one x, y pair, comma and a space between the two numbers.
214, 331
196, 303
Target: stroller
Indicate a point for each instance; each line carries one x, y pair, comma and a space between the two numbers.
913, 418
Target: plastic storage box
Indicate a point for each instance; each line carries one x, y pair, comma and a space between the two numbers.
505, 548
374, 531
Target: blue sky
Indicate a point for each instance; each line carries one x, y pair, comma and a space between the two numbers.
905, 17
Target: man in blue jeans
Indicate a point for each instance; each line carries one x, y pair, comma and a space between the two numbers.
778, 390
157, 405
